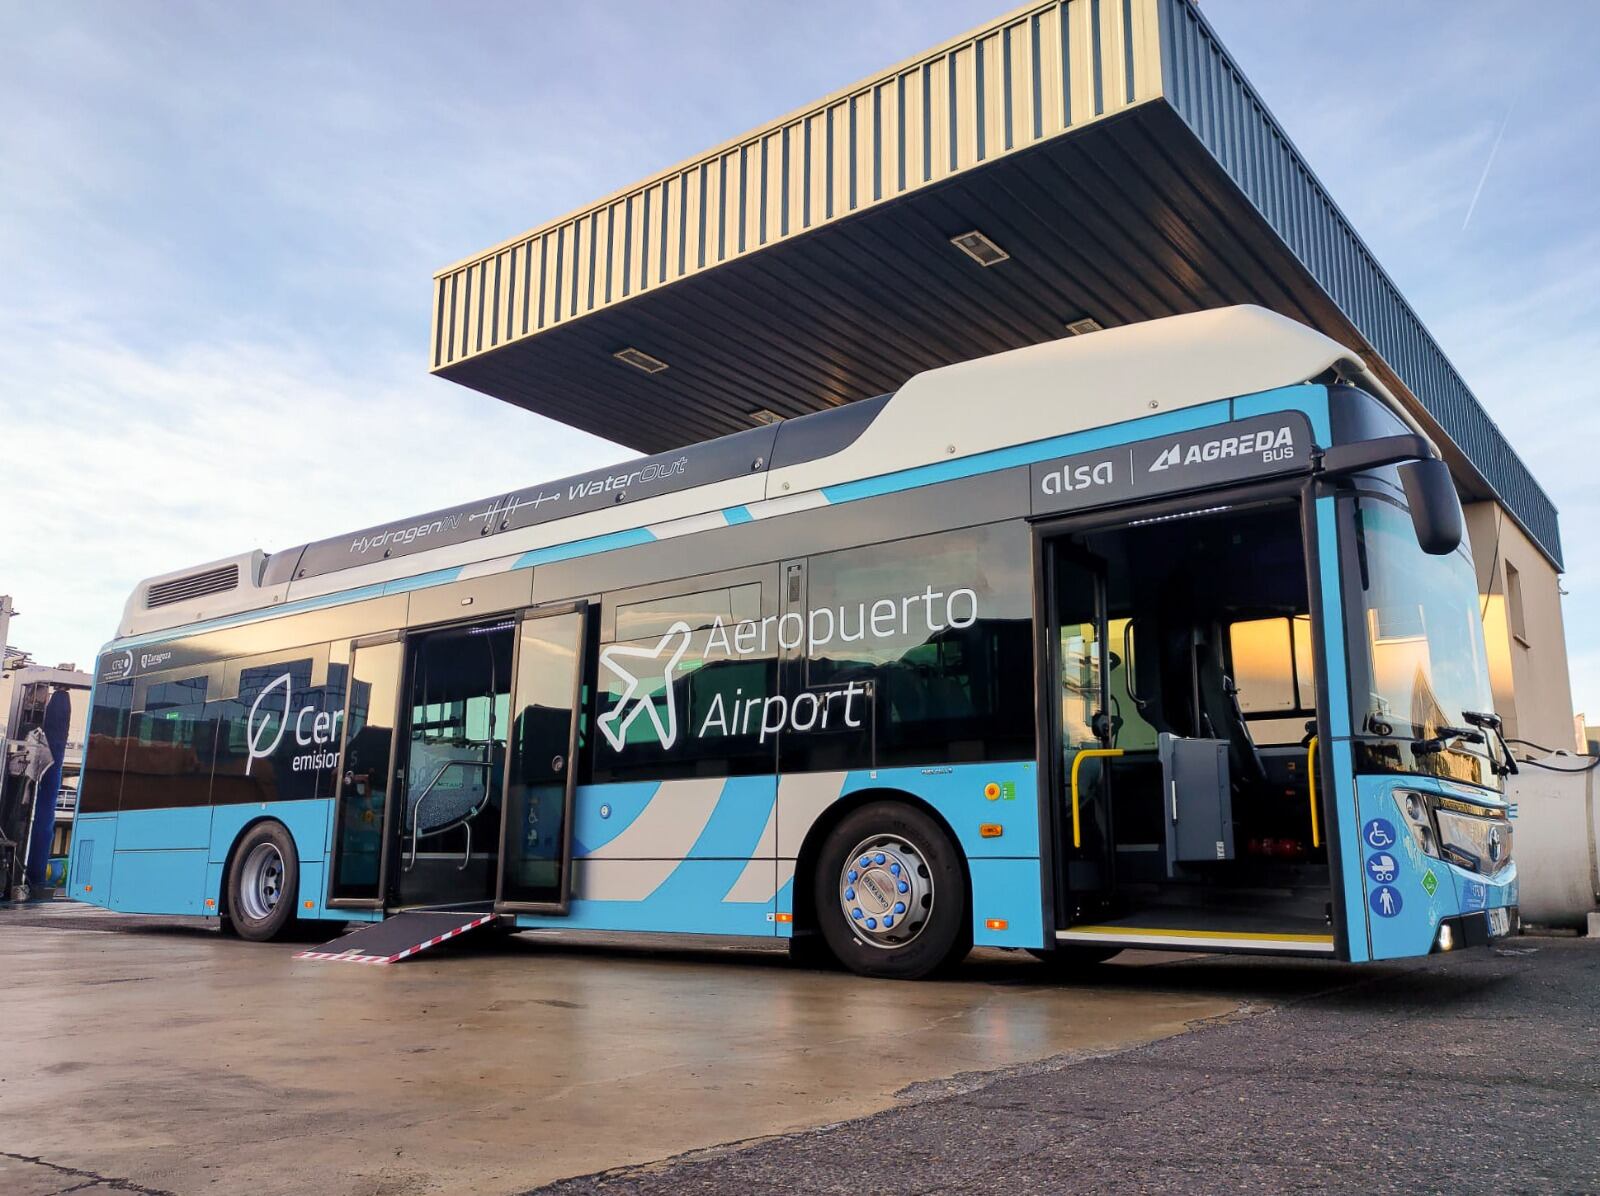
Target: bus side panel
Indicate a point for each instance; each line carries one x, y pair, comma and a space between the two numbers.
307, 821
94, 845
1005, 903
159, 882
689, 856
976, 801
970, 798
160, 861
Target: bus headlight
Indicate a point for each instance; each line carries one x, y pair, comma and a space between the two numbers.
1419, 817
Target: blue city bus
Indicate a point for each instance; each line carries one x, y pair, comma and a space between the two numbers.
1163, 636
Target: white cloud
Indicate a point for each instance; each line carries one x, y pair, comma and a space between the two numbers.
121, 464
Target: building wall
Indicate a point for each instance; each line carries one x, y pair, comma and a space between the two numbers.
1523, 630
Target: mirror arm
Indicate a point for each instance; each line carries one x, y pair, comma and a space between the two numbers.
1343, 459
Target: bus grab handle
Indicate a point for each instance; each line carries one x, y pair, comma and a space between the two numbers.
1077, 762
1311, 775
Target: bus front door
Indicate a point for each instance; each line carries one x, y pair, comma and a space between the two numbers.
1083, 716
546, 702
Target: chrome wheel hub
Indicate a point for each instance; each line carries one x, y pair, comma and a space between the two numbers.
261, 881
886, 891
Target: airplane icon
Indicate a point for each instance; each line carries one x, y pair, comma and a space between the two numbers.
637, 698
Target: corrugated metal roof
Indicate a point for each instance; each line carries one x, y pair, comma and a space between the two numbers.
1111, 147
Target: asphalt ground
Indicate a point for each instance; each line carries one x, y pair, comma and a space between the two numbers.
1466, 1073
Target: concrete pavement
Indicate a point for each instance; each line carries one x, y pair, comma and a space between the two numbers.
158, 1054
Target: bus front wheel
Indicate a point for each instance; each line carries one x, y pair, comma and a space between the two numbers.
891, 898
263, 884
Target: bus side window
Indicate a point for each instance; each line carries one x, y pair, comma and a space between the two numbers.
681, 687
107, 747
1273, 670
940, 628
171, 743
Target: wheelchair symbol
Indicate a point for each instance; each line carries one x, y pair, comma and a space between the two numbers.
1382, 868
1379, 834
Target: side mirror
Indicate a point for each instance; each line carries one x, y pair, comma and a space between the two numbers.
1435, 507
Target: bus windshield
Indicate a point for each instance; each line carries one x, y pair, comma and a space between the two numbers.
1419, 671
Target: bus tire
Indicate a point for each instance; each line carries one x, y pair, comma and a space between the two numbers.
264, 884
902, 914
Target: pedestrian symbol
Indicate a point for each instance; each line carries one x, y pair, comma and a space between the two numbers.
1379, 834
1430, 882
1382, 868
1385, 901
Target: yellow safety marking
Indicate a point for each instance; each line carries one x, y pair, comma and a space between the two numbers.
1206, 934
1077, 762
1311, 772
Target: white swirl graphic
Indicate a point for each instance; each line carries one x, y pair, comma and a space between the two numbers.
255, 732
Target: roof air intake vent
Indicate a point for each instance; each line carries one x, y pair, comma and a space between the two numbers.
192, 585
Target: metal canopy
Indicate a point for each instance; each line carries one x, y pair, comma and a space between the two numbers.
1110, 148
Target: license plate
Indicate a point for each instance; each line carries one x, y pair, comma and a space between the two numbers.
1499, 923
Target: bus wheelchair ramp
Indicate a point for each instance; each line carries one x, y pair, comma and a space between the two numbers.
399, 937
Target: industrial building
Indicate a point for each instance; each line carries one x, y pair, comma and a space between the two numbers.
1070, 166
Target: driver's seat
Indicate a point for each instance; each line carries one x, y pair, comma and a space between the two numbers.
1220, 714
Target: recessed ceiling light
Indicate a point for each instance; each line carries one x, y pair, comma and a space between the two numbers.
1081, 327
761, 416
979, 248
640, 360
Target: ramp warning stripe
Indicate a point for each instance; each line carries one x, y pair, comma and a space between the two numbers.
396, 938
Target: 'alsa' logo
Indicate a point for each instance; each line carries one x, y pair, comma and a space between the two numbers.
1078, 477
315, 729
1272, 444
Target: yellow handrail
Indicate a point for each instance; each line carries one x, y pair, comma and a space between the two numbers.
1077, 762
1311, 775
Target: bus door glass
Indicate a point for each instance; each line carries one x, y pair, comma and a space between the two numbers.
1082, 710
546, 704
366, 771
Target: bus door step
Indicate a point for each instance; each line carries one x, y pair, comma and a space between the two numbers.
399, 937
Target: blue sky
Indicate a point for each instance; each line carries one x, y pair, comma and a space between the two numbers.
218, 225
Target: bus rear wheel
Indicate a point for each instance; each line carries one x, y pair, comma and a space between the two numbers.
264, 884
890, 894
